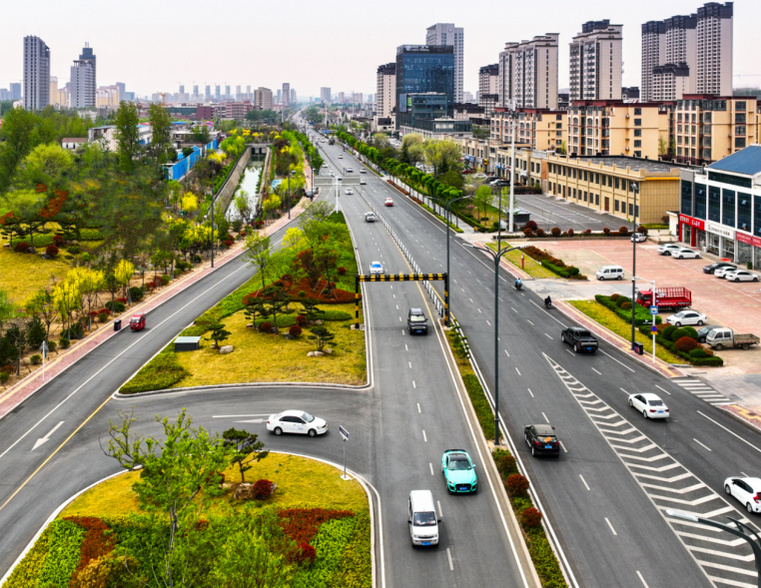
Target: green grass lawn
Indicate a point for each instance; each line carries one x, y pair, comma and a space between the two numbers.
529, 265
22, 274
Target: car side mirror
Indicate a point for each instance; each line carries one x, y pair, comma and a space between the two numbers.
438, 521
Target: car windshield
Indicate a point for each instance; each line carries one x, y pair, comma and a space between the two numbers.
459, 463
424, 519
307, 417
417, 318
581, 333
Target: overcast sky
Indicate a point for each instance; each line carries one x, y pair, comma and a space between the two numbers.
156, 45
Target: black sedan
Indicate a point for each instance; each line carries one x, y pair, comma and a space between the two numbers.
542, 440
703, 332
709, 269
579, 338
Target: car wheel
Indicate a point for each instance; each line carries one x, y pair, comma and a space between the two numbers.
700, 323
630, 403
755, 279
749, 507
644, 414
312, 433
278, 431
533, 451
678, 324
727, 489
575, 347
719, 346
620, 278
746, 346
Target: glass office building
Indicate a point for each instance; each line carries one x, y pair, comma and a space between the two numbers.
422, 69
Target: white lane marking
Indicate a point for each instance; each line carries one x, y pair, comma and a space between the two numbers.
570, 352
548, 336
441, 514
730, 432
518, 371
701, 444
562, 446
617, 361
418, 408
624, 391
546, 420
513, 309
400, 318
449, 557
414, 385
530, 392
597, 372
488, 324
403, 335
425, 437
744, 475
583, 481
506, 353
479, 310
471, 300
405, 347
430, 465
641, 579
46, 438
663, 389
612, 530
529, 322
409, 364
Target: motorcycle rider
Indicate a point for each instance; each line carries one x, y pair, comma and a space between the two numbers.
518, 284
548, 301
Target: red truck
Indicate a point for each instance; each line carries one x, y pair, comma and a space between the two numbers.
674, 297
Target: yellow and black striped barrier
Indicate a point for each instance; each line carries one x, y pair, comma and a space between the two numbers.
400, 278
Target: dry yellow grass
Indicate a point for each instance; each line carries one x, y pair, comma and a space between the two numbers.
22, 274
529, 265
295, 478
259, 357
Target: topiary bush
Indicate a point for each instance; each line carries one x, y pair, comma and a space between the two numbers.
623, 231
64, 343
4, 377
678, 333
555, 231
36, 359
21, 247
531, 225
621, 300
114, 306
606, 231
516, 485
667, 331
294, 331
626, 305
540, 233
266, 327
528, 232
698, 353
531, 517
58, 240
302, 320
51, 251
505, 463
136, 293
263, 489
686, 344
569, 232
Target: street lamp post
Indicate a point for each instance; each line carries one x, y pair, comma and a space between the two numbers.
635, 189
448, 206
213, 199
653, 303
496, 256
743, 531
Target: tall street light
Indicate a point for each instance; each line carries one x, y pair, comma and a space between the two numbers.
213, 198
448, 204
743, 531
496, 256
635, 188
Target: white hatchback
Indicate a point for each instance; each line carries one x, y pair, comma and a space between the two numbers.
685, 253
746, 490
296, 421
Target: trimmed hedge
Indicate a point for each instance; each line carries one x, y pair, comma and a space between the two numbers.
162, 372
480, 403
642, 315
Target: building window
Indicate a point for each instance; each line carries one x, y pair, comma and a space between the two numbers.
617, 206
637, 132
637, 122
728, 207
638, 143
700, 201
714, 204
685, 206
743, 212
739, 142
757, 216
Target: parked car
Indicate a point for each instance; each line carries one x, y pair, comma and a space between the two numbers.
740, 275
667, 248
459, 471
417, 321
687, 317
650, 405
389, 202
296, 421
369, 217
725, 337
685, 253
638, 237
709, 269
704, 331
746, 490
579, 338
720, 272
542, 440
610, 272
376, 267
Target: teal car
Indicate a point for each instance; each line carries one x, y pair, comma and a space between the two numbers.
459, 471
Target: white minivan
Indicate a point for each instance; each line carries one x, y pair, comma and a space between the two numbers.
610, 272
422, 518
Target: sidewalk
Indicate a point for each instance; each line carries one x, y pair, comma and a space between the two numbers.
16, 394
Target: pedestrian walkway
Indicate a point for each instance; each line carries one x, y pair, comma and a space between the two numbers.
702, 390
16, 394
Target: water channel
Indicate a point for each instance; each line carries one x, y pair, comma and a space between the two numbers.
248, 185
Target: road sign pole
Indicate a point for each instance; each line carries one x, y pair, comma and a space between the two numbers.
345, 436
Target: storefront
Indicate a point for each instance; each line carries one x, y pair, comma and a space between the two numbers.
693, 231
748, 249
721, 240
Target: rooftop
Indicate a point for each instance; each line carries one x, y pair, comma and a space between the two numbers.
746, 162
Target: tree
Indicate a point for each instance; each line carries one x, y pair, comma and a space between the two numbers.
179, 476
161, 134
483, 198
247, 449
412, 149
46, 164
276, 300
127, 134
123, 272
443, 155
218, 334
17, 135
258, 253
321, 336
43, 306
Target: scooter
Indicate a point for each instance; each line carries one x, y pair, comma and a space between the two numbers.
547, 303
518, 284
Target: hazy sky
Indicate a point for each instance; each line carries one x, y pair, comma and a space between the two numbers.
155, 45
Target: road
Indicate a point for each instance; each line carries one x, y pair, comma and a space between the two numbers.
606, 495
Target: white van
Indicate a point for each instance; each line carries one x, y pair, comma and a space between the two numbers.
422, 518
610, 272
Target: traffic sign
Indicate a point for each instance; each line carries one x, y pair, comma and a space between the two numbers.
653, 329
344, 433
653, 310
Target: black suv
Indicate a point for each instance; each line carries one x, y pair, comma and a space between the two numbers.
542, 440
416, 321
579, 338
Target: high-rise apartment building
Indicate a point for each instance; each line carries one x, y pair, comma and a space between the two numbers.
528, 73
15, 90
217, 93
88, 56
596, 62
82, 86
285, 94
263, 98
325, 94
36, 73
293, 99
488, 79
227, 91
688, 54
448, 34
182, 89
195, 91
385, 97
423, 69
207, 92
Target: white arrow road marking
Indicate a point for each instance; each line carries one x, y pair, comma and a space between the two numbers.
46, 438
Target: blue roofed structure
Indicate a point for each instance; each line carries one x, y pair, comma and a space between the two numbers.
746, 162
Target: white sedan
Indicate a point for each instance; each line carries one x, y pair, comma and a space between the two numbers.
723, 271
685, 253
650, 405
668, 248
746, 490
376, 267
687, 317
296, 421
740, 275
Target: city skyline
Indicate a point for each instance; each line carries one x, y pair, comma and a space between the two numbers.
325, 45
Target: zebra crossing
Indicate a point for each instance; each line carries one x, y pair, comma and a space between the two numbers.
724, 559
702, 390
